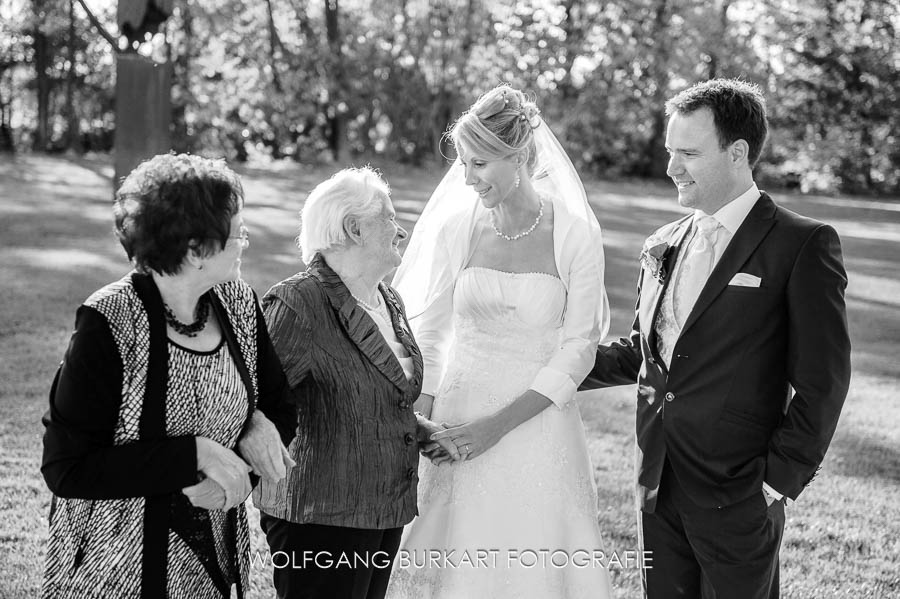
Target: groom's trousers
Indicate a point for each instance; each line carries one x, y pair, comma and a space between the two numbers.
729, 552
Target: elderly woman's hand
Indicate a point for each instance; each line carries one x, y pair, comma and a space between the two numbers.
225, 468
436, 450
206, 494
474, 438
437, 454
261, 446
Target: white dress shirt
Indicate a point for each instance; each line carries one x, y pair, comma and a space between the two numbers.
730, 217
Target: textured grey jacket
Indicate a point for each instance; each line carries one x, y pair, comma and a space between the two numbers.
355, 446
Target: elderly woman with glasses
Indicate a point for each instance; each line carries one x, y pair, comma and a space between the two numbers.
169, 395
355, 371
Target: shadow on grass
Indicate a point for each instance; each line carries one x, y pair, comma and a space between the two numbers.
859, 456
56, 247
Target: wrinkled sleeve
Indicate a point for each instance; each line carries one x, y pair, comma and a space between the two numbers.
289, 327
586, 318
432, 330
80, 458
275, 399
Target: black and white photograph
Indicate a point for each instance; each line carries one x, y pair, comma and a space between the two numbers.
449, 299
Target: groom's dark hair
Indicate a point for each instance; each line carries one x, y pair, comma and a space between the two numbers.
738, 108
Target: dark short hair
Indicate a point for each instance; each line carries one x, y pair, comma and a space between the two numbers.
173, 203
738, 108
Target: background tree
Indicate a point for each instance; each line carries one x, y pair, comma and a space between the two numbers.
321, 81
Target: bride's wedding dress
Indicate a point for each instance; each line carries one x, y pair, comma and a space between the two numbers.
520, 520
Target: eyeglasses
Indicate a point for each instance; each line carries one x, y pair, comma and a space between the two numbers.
243, 238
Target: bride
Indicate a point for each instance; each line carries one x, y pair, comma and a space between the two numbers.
503, 280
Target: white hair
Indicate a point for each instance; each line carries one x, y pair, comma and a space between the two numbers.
349, 192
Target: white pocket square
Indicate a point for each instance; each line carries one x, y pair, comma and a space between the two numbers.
743, 279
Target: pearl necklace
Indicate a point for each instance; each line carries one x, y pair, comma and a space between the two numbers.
524, 233
377, 308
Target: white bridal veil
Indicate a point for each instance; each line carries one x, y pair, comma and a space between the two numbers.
445, 234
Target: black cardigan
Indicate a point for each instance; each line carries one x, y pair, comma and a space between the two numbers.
79, 457
105, 436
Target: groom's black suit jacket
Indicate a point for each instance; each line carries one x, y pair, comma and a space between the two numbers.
723, 414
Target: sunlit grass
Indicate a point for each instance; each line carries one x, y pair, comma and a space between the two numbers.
56, 247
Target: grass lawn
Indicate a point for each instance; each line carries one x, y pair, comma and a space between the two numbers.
842, 537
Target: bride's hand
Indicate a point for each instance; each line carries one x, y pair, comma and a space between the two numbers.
474, 438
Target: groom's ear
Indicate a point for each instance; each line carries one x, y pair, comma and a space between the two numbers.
739, 152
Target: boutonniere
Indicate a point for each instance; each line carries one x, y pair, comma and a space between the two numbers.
655, 257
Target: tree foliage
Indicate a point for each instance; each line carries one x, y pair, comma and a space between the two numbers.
341, 80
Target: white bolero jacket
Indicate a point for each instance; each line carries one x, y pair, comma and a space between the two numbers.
578, 253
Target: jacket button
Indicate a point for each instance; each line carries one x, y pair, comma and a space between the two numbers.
411, 473
403, 404
670, 396
408, 438
651, 360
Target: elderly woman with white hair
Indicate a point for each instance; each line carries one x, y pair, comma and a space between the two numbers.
355, 370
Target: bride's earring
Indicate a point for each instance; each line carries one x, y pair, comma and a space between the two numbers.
517, 179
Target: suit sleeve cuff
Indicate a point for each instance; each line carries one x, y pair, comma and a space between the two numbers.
778, 496
556, 386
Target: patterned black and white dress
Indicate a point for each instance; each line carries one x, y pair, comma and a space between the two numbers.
214, 406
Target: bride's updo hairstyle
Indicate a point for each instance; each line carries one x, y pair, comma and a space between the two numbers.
500, 124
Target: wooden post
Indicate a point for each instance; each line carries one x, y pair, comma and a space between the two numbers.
143, 89
143, 111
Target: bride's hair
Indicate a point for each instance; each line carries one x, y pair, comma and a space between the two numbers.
498, 125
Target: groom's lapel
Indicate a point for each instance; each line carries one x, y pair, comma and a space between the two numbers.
358, 325
746, 239
652, 290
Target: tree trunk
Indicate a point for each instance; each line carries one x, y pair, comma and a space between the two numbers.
654, 160
6, 141
274, 45
303, 22
73, 134
180, 57
722, 36
449, 96
572, 47
337, 133
42, 60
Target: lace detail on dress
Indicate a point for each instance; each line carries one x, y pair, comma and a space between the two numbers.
533, 490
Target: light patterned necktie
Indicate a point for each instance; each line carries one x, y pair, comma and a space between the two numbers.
699, 260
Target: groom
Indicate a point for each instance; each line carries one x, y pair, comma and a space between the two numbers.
741, 354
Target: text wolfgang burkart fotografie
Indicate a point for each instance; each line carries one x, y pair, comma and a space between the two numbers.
456, 559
